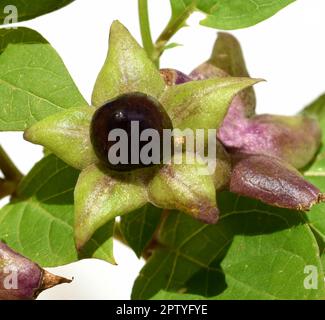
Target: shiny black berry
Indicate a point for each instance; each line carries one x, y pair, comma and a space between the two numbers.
124, 149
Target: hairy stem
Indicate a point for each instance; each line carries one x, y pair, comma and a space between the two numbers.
10, 171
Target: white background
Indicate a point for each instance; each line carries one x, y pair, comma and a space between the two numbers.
287, 50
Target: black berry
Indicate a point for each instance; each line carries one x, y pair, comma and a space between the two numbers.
125, 113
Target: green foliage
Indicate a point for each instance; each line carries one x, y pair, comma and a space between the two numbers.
38, 223
228, 15
34, 82
19, 36
101, 195
139, 227
32, 9
317, 109
254, 252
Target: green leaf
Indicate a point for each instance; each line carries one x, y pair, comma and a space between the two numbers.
172, 45
317, 109
254, 252
165, 295
102, 195
202, 104
236, 14
316, 216
39, 223
66, 134
178, 6
316, 175
225, 14
19, 36
34, 82
100, 246
32, 9
138, 227
127, 69
181, 11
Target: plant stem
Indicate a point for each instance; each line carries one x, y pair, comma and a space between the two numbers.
145, 27
10, 171
155, 50
7, 188
174, 25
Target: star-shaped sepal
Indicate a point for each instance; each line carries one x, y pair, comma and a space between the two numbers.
102, 194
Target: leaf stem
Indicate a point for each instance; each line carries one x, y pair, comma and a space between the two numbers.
173, 26
10, 171
145, 27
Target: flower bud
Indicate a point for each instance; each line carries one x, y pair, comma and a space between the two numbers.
294, 139
22, 279
273, 182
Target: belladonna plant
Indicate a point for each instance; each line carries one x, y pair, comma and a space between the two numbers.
263, 150
238, 231
101, 194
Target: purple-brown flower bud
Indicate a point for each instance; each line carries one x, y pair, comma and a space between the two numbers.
22, 279
294, 139
272, 181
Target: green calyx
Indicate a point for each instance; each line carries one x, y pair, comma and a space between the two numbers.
100, 194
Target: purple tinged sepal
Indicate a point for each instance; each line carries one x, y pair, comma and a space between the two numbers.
22, 279
294, 139
272, 181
